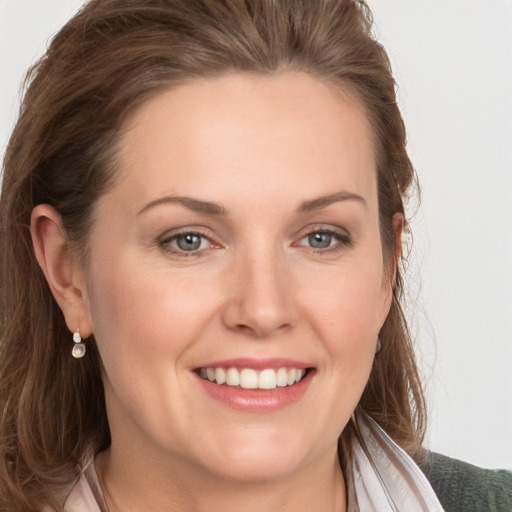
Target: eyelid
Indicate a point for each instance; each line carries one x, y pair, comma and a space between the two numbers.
344, 237
164, 241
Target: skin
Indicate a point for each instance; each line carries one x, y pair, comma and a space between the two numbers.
260, 148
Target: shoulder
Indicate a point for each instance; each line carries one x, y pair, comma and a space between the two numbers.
461, 487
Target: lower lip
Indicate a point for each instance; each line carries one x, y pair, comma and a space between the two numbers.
258, 400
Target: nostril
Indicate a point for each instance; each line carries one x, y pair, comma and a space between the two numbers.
259, 330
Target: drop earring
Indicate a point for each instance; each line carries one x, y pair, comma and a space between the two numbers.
79, 347
379, 346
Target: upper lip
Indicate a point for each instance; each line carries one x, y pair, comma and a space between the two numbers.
257, 364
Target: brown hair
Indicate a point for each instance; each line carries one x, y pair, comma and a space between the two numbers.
104, 62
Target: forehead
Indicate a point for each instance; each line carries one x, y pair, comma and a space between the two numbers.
208, 133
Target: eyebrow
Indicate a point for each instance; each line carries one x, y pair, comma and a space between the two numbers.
324, 201
209, 208
195, 205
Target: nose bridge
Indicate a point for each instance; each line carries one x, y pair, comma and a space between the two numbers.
263, 300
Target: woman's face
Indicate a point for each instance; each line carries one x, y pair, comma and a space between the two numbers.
240, 242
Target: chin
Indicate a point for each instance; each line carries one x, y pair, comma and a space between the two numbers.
258, 469
258, 460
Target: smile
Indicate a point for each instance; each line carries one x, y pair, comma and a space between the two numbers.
249, 378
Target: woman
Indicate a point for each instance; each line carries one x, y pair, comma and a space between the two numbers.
205, 310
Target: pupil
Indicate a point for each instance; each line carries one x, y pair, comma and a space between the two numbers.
189, 242
320, 240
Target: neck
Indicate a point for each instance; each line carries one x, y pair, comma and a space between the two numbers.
145, 486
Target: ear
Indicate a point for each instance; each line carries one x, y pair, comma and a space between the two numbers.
61, 267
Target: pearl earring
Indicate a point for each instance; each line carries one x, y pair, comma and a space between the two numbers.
79, 347
379, 346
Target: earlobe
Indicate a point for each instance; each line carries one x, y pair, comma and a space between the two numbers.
60, 267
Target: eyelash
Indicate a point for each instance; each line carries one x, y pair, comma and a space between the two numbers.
166, 243
343, 240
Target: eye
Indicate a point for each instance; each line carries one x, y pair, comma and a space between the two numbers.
189, 241
186, 243
325, 240
320, 240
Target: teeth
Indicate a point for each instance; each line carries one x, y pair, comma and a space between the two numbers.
248, 378
282, 377
232, 377
267, 379
220, 375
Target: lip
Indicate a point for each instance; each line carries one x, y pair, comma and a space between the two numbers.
256, 364
252, 400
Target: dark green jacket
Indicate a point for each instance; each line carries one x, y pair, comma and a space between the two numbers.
462, 487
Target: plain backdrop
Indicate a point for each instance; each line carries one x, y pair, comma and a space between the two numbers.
453, 62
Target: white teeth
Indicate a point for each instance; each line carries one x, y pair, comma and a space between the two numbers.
282, 377
232, 377
220, 375
248, 378
267, 379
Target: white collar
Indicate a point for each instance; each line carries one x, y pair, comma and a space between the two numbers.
384, 478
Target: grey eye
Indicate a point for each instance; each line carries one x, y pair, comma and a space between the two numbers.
189, 242
320, 240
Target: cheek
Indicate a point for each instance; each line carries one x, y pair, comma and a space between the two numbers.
342, 311
144, 323
140, 314
349, 301
346, 313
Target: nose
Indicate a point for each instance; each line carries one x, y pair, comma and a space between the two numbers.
262, 300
